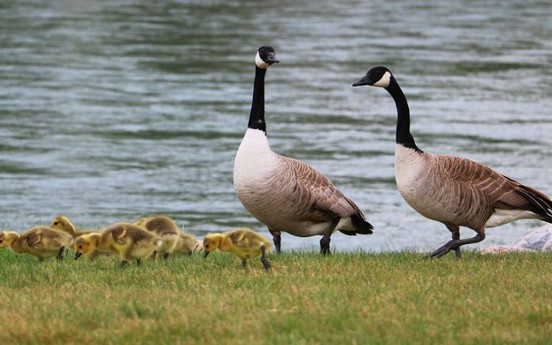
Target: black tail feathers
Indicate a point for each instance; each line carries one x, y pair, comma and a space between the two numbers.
361, 227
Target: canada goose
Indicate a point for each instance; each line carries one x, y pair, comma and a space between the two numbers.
166, 229
286, 194
453, 190
128, 240
40, 242
242, 242
63, 223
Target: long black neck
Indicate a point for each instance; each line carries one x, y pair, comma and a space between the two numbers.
257, 114
404, 137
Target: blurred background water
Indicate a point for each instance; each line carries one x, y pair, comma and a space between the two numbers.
113, 110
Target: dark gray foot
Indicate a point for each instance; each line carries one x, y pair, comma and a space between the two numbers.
456, 244
59, 255
244, 263
265, 262
166, 256
442, 250
122, 263
458, 253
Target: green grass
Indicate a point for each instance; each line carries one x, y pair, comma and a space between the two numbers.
347, 298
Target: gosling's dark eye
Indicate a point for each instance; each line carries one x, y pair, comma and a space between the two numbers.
80, 247
56, 223
1, 241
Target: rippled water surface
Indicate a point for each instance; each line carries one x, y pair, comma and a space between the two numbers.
112, 110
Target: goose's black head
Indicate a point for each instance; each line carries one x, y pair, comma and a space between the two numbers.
377, 76
265, 57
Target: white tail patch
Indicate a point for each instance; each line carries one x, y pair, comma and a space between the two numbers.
500, 217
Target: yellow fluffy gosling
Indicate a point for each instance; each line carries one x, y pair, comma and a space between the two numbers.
63, 223
187, 244
40, 242
242, 242
129, 241
166, 229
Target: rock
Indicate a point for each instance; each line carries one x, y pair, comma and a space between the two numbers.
499, 249
539, 239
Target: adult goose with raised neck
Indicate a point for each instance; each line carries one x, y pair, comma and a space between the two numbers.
453, 190
285, 194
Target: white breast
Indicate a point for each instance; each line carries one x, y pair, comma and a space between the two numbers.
255, 161
409, 167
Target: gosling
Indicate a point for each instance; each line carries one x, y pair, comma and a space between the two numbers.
63, 223
242, 242
187, 244
129, 241
166, 229
40, 242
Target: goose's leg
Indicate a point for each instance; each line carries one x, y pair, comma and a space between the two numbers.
125, 256
265, 262
456, 237
277, 239
457, 244
455, 230
244, 263
325, 241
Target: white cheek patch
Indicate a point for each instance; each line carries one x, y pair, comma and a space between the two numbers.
384, 81
260, 63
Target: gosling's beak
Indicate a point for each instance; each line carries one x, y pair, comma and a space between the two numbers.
77, 255
363, 81
272, 59
205, 255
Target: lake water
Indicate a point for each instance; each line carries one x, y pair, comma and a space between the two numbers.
113, 110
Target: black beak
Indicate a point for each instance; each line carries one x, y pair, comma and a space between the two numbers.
271, 58
77, 255
205, 255
363, 81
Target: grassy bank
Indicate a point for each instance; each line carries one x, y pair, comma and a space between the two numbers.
348, 298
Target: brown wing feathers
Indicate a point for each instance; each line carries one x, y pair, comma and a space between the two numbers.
325, 197
503, 192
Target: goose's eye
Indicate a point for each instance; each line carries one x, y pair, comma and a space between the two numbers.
56, 223
1, 241
80, 247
